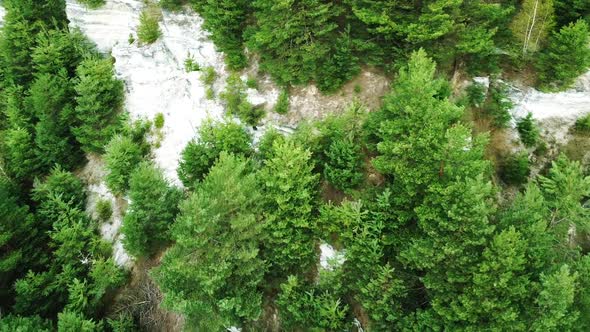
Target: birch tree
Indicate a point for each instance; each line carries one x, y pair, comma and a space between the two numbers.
533, 23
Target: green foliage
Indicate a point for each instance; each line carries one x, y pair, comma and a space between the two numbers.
532, 24
50, 99
190, 64
236, 101
567, 11
515, 169
93, 4
566, 57
344, 165
104, 209
226, 21
414, 129
124, 323
99, 100
282, 105
213, 138
159, 121
299, 307
151, 212
213, 272
19, 154
583, 124
289, 192
70, 321
265, 145
566, 186
555, 301
498, 105
21, 241
121, 157
171, 4
64, 186
340, 66
148, 30
290, 56
528, 130
208, 76
252, 82
476, 94
12, 323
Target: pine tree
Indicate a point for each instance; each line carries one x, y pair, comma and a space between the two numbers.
213, 272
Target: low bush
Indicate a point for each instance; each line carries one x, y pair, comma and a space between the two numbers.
104, 210
515, 169
282, 106
149, 26
159, 121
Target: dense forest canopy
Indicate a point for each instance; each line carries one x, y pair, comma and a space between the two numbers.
437, 231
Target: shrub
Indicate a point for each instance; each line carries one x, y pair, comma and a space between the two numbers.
208, 76
515, 169
149, 27
583, 124
171, 4
210, 94
159, 121
357, 88
131, 39
282, 106
213, 138
190, 64
528, 130
476, 94
104, 209
93, 4
236, 101
252, 82
121, 157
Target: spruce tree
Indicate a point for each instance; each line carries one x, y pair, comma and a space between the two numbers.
99, 97
567, 56
154, 205
290, 191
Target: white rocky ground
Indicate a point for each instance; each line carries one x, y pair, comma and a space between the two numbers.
556, 112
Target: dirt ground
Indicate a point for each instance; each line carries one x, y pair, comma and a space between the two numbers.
309, 103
